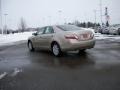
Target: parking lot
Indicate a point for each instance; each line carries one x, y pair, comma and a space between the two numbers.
95, 69
82, 39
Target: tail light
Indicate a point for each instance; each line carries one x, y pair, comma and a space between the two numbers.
73, 36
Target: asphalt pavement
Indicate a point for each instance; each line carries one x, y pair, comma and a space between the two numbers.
95, 69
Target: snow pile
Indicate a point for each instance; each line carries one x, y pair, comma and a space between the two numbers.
100, 36
12, 38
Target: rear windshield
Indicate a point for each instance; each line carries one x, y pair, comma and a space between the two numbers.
69, 27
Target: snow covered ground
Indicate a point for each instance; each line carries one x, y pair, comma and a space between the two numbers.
10, 39
100, 36
15, 38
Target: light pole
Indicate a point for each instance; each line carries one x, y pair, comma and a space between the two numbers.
86, 19
65, 21
43, 19
1, 27
60, 18
49, 19
5, 22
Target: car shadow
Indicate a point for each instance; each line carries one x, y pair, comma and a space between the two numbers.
70, 59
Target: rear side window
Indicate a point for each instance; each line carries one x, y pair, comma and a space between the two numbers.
48, 30
69, 27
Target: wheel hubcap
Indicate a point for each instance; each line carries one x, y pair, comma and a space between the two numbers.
55, 49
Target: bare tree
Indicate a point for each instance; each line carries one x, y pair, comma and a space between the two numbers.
22, 25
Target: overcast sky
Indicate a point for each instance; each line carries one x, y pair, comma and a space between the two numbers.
44, 12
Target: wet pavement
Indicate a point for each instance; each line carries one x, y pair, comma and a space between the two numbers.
95, 69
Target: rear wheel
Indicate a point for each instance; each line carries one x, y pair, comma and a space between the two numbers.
30, 46
56, 49
119, 31
81, 51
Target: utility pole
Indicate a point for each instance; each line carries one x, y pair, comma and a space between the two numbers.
95, 18
107, 16
60, 18
1, 26
101, 12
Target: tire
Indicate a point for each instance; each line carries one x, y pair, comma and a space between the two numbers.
56, 50
30, 46
81, 51
119, 31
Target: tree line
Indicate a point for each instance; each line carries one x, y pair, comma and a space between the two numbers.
85, 24
22, 26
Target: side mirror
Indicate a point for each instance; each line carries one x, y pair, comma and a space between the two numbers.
35, 34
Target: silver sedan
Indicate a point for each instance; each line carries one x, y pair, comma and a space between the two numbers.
62, 38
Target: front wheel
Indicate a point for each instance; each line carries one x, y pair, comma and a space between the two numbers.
30, 46
56, 49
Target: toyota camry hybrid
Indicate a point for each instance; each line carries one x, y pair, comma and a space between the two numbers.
61, 38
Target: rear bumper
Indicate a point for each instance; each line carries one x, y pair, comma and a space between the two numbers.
75, 45
114, 32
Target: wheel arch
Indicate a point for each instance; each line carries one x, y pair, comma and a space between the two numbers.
53, 43
29, 41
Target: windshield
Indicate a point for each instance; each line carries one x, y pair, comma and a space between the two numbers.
69, 27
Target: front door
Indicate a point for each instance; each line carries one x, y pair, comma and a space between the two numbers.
47, 37
38, 41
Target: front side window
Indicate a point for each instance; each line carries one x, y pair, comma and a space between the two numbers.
40, 31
